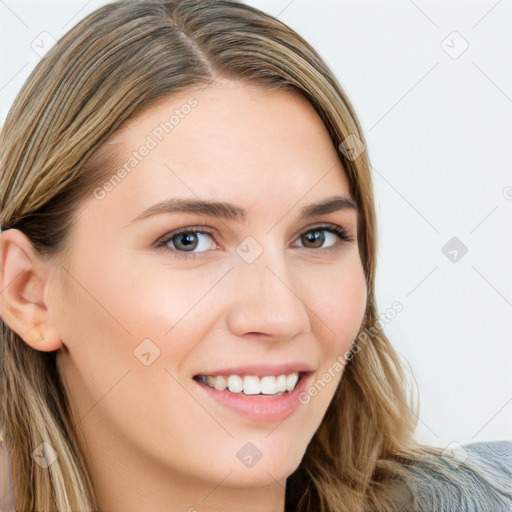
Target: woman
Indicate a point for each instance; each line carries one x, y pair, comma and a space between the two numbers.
188, 265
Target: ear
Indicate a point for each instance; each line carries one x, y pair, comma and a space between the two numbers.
23, 283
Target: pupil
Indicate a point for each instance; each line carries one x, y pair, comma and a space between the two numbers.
189, 239
316, 236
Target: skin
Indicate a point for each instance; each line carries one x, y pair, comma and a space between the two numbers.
155, 443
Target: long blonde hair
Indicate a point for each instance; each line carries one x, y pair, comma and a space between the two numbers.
107, 70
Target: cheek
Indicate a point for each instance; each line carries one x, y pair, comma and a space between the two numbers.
340, 304
341, 308
160, 302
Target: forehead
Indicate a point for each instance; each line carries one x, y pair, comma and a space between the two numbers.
230, 141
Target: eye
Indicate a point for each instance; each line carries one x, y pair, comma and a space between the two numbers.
185, 241
317, 237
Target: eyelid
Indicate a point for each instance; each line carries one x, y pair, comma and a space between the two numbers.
326, 225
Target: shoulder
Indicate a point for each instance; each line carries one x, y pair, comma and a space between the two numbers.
475, 477
496, 453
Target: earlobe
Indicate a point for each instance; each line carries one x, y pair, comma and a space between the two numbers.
23, 278
42, 337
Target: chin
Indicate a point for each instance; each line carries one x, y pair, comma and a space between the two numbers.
259, 476
273, 467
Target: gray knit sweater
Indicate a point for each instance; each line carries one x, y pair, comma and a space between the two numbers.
444, 498
436, 494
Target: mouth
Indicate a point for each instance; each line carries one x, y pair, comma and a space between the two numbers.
253, 385
271, 396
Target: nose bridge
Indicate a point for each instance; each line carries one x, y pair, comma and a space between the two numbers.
266, 299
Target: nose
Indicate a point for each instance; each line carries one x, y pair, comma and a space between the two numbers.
265, 300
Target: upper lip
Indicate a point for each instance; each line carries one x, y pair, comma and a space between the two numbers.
261, 370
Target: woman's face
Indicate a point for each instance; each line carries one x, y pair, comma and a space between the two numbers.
264, 293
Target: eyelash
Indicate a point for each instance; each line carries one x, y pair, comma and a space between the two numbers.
162, 242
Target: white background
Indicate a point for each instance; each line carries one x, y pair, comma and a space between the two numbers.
438, 123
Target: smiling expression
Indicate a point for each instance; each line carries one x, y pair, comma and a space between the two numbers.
259, 281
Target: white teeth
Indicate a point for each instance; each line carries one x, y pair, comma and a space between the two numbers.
220, 383
281, 383
235, 384
291, 381
252, 385
268, 385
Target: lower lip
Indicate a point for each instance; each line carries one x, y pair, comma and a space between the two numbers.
259, 408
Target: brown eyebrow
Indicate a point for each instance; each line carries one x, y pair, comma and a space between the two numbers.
230, 211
